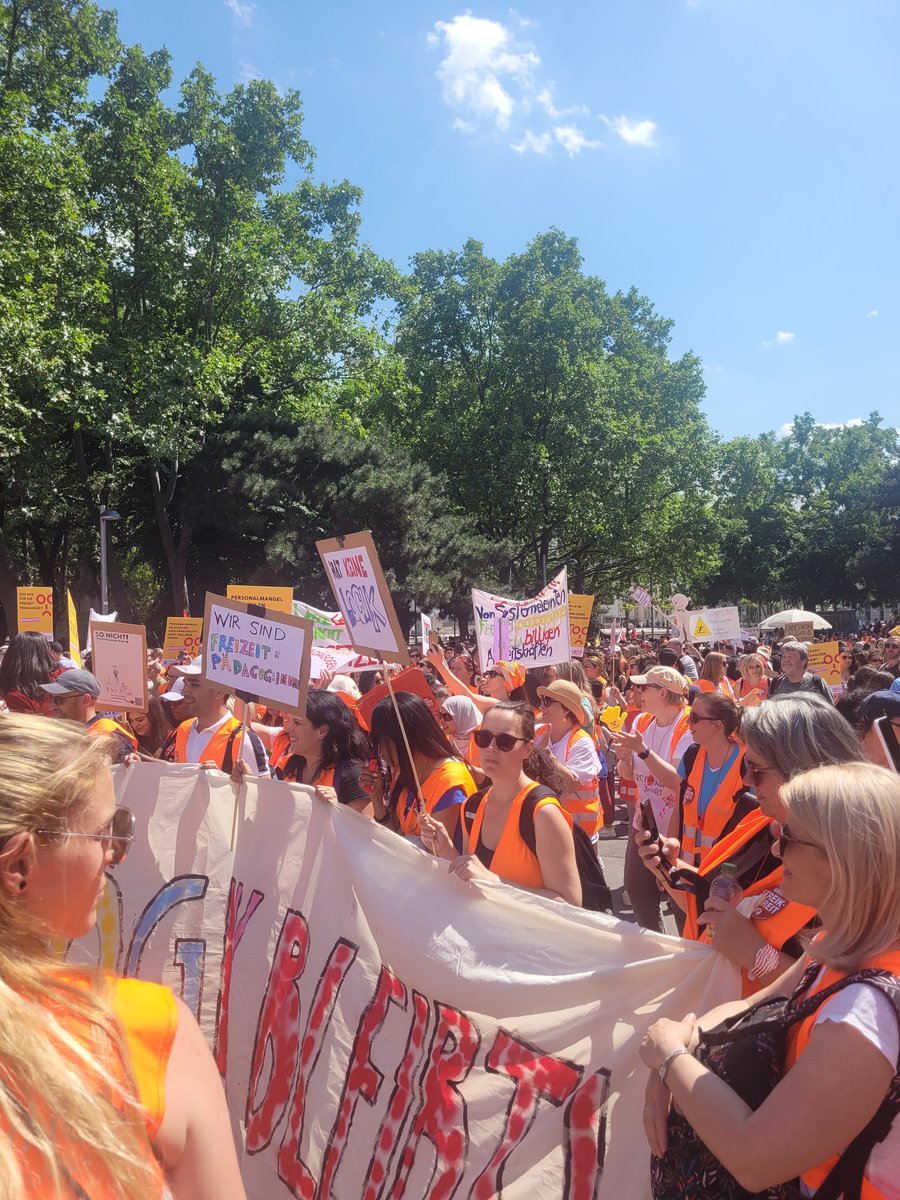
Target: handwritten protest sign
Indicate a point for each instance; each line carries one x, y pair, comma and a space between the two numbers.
120, 664
357, 580
34, 610
258, 657
281, 599
714, 625
74, 644
825, 660
532, 632
799, 631
329, 628
579, 621
183, 635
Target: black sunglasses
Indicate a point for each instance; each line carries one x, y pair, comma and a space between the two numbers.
505, 741
118, 831
491, 675
786, 838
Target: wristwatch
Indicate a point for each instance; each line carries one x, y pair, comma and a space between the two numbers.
662, 1069
645, 753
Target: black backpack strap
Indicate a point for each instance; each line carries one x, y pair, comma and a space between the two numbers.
526, 815
470, 808
228, 756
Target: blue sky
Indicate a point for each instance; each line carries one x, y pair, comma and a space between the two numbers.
735, 160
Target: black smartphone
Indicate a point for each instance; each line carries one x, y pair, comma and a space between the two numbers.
685, 879
652, 828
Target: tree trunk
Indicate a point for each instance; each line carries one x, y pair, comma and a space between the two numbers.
9, 581
176, 554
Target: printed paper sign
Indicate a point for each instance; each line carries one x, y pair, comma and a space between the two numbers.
340, 660
357, 580
34, 610
825, 660
183, 635
532, 632
427, 634
263, 659
74, 644
329, 628
799, 631
279, 598
375, 1047
579, 621
119, 664
714, 625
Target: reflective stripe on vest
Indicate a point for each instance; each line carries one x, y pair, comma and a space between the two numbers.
511, 859
699, 835
582, 801
798, 1039
216, 747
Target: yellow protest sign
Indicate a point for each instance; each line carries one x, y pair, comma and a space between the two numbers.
701, 629
579, 620
74, 644
34, 610
182, 634
895, 632
824, 660
281, 599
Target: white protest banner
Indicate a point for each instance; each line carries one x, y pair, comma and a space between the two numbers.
531, 632
259, 654
329, 628
714, 625
357, 580
481, 1044
340, 660
119, 664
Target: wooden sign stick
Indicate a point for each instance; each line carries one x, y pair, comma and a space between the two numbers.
412, 761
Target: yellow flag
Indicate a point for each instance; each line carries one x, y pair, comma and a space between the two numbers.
74, 644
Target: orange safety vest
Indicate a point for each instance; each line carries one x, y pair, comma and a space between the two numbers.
798, 1040
512, 860
281, 749
724, 687
107, 725
699, 835
776, 919
582, 802
324, 778
218, 743
627, 787
449, 774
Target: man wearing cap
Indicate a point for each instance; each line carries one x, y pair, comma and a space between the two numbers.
650, 755
575, 753
74, 696
211, 735
795, 677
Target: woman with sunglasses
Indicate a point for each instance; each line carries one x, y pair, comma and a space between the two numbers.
109, 1088
575, 753
493, 845
840, 846
753, 687
498, 683
458, 718
445, 779
782, 738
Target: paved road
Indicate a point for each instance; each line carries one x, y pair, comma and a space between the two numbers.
612, 854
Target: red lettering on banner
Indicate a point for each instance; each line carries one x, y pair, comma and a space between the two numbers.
585, 1122
441, 1117
277, 1035
399, 1106
234, 931
363, 1080
292, 1170
537, 1077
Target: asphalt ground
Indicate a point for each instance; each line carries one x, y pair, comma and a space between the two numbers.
612, 855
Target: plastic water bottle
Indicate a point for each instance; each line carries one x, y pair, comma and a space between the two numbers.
726, 887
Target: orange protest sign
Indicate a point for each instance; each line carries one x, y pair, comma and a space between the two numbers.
409, 680
579, 620
183, 634
34, 610
279, 598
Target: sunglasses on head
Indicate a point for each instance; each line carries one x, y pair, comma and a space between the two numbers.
505, 741
118, 831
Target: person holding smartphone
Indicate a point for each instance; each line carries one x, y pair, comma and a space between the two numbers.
879, 716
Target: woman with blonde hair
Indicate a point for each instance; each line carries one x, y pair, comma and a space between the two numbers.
109, 1090
754, 684
841, 847
712, 675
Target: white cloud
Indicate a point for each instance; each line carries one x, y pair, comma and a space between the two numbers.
545, 100
781, 338
536, 143
464, 126
635, 133
242, 12
573, 141
481, 59
872, 313
788, 428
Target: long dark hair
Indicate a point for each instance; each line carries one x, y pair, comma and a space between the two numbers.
540, 765
159, 728
344, 738
424, 734
535, 677
26, 665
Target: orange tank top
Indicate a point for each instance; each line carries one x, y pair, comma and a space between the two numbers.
512, 860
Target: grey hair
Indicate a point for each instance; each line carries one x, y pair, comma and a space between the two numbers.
797, 732
801, 648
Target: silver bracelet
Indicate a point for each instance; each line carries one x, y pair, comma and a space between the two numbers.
663, 1069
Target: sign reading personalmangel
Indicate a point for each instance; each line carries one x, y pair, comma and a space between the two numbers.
532, 632
259, 657
357, 580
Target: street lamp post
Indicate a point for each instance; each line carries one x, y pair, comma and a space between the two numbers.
106, 515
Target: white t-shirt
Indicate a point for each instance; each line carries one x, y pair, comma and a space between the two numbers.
658, 738
198, 740
869, 1011
581, 758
